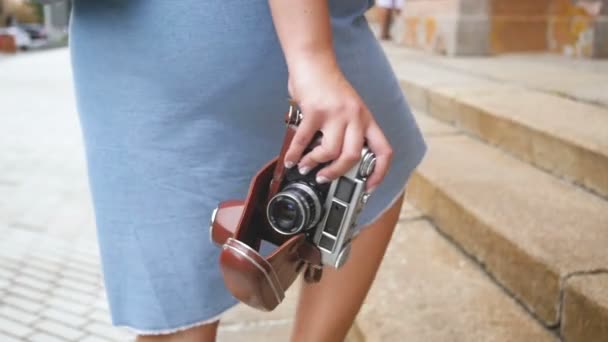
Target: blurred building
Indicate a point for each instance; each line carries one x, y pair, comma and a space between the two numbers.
480, 27
55, 16
18, 9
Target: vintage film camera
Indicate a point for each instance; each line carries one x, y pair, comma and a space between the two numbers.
310, 224
326, 213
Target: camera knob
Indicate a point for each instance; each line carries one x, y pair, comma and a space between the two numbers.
367, 165
365, 198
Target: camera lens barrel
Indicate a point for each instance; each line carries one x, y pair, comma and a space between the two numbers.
295, 209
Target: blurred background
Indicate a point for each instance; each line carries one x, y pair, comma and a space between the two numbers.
504, 236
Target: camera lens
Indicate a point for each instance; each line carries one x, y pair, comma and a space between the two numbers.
286, 214
294, 209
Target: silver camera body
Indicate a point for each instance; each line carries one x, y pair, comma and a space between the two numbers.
326, 213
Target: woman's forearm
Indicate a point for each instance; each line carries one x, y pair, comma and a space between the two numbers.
304, 30
330, 103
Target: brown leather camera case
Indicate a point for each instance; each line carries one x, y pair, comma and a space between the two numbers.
239, 226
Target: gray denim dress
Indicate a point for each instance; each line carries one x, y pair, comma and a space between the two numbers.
181, 102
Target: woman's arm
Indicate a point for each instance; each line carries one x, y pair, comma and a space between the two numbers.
327, 99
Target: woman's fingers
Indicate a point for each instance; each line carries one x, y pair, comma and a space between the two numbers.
350, 155
377, 142
328, 150
302, 138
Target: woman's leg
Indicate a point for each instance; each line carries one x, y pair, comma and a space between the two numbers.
202, 333
385, 17
326, 310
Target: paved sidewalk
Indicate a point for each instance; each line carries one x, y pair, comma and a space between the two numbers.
50, 285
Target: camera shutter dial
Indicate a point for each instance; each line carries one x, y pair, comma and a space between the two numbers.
367, 165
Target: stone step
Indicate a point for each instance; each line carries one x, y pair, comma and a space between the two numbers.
563, 136
532, 232
428, 290
586, 308
580, 79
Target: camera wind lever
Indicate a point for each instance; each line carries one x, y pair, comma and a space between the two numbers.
292, 118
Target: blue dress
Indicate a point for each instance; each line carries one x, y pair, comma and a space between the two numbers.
180, 103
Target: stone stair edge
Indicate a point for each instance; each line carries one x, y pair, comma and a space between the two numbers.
418, 248
546, 306
584, 310
484, 63
529, 301
532, 143
465, 95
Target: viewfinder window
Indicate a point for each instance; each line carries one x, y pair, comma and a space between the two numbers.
327, 243
345, 189
334, 218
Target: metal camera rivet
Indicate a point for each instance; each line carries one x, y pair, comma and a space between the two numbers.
365, 197
211, 221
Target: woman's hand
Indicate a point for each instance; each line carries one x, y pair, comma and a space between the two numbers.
331, 105
328, 101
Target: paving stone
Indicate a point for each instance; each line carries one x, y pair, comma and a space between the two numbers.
33, 283
54, 260
9, 264
86, 263
74, 296
108, 331
64, 317
81, 287
14, 328
42, 337
4, 283
585, 308
101, 316
6, 274
527, 228
44, 265
92, 338
81, 276
27, 293
427, 290
22, 303
8, 338
101, 304
87, 270
270, 331
17, 315
67, 305
242, 313
59, 330
39, 274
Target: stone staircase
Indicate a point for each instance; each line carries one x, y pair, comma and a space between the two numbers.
512, 240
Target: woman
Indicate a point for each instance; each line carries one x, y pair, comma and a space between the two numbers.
386, 10
181, 102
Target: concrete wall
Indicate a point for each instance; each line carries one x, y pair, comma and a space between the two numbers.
477, 27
